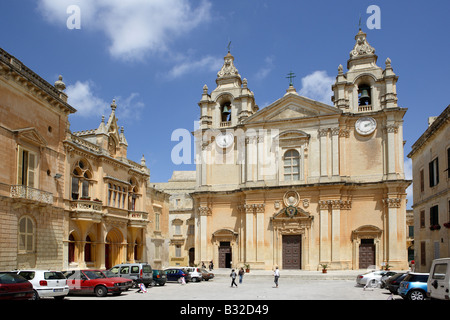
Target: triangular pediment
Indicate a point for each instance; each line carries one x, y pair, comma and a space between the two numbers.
31, 135
292, 106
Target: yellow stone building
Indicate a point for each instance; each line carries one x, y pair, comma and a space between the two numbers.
301, 183
70, 200
430, 156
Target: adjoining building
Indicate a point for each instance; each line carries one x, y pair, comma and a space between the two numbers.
301, 183
181, 217
69, 200
430, 156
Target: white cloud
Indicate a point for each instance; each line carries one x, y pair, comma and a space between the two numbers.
207, 63
317, 86
264, 71
82, 97
135, 28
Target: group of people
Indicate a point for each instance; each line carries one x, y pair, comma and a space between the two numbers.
233, 275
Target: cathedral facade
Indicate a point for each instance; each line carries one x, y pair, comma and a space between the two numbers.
300, 183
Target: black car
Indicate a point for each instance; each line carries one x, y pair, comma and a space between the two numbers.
393, 282
159, 277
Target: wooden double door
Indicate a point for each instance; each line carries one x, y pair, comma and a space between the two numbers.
366, 253
225, 254
292, 252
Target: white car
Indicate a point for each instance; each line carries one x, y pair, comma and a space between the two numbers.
370, 278
195, 273
46, 283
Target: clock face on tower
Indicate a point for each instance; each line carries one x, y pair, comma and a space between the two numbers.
365, 125
224, 140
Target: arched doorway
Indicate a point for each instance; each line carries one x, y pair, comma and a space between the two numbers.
113, 248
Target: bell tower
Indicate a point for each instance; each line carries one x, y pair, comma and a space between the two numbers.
230, 102
365, 87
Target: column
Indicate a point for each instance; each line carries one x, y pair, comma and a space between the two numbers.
335, 151
203, 213
323, 152
259, 208
391, 131
249, 243
392, 242
336, 231
324, 245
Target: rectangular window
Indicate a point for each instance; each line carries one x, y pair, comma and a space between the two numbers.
422, 181
411, 231
423, 257
422, 219
27, 168
434, 172
178, 251
434, 215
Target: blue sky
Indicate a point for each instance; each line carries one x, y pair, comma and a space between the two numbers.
154, 56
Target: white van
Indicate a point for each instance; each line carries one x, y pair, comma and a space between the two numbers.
439, 280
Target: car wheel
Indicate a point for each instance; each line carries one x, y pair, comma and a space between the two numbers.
35, 295
416, 295
372, 283
101, 291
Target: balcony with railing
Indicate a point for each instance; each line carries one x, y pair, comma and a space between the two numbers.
137, 219
86, 210
31, 195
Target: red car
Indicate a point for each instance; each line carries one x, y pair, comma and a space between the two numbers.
14, 287
94, 281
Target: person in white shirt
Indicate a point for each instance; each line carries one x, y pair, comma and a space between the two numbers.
276, 274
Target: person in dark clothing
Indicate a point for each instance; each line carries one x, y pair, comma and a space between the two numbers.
233, 278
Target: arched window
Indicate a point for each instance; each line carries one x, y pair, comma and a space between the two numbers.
81, 181
225, 111
26, 235
364, 95
88, 250
71, 248
291, 165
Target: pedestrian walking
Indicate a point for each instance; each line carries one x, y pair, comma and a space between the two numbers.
233, 278
276, 275
241, 274
211, 265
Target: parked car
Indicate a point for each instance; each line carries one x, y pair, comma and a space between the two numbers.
109, 274
206, 275
174, 274
93, 281
195, 273
14, 287
372, 278
439, 280
46, 283
138, 272
385, 277
159, 277
414, 286
393, 282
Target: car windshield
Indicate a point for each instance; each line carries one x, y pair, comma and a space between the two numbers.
29, 275
11, 278
109, 274
53, 275
94, 274
146, 268
416, 278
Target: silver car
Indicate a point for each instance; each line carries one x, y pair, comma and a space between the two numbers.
370, 278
